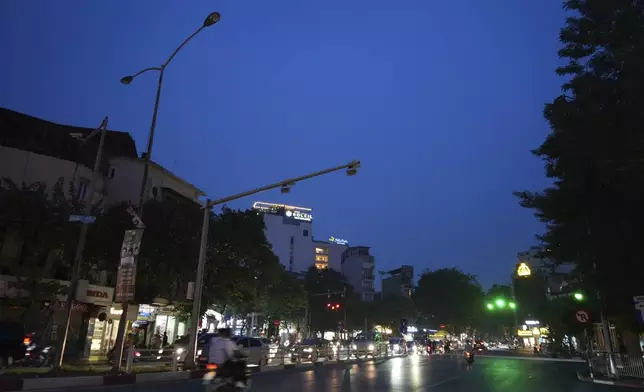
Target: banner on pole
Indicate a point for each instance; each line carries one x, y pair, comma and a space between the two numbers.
126, 276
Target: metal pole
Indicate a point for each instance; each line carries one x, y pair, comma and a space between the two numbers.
196, 305
80, 247
514, 298
142, 196
189, 362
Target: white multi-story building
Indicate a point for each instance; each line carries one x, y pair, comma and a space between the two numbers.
328, 254
289, 230
358, 267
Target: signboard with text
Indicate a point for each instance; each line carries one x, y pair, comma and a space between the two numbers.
126, 276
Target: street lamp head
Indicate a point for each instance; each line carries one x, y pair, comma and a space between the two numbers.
127, 79
500, 303
211, 19
286, 188
512, 305
489, 306
352, 170
579, 296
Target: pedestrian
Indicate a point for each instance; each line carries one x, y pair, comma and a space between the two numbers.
165, 339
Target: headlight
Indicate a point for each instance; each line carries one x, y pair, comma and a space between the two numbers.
179, 350
354, 347
371, 347
198, 352
396, 347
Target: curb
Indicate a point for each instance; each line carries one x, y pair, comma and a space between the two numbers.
582, 378
43, 383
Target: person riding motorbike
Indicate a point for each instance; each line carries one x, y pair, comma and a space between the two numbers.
223, 353
469, 349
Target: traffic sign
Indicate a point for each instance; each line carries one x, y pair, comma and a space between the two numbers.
582, 316
82, 218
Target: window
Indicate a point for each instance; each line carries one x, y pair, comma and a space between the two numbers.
322, 258
305, 233
321, 266
320, 251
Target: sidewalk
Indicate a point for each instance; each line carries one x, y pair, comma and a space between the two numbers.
625, 382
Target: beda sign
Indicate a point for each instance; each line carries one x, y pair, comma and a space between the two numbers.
523, 270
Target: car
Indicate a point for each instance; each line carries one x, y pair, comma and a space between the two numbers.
479, 346
412, 348
255, 351
367, 343
307, 348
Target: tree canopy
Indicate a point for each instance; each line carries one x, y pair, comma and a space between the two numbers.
449, 296
594, 211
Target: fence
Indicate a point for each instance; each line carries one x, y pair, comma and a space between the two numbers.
266, 357
625, 365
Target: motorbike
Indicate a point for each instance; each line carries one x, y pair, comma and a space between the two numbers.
212, 383
38, 355
469, 358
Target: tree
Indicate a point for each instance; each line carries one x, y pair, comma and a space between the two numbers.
34, 234
594, 211
169, 249
286, 298
390, 310
241, 266
449, 296
319, 282
498, 323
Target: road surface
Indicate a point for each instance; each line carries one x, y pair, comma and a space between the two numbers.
409, 374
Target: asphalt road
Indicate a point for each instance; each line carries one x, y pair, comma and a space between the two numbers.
441, 374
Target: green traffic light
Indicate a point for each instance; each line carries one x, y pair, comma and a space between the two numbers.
579, 296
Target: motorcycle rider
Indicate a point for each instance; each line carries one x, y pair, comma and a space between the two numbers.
223, 352
469, 348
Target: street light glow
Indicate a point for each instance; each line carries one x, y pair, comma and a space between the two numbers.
500, 303
512, 305
490, 306
579, 296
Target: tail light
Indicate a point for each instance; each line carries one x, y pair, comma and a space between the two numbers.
137, 354
211, 366
26, 340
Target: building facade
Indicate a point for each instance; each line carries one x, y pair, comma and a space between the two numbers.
399, 281
357, 266
289, 230
328, 254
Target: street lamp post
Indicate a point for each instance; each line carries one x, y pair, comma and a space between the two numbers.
210, 20
285, 186
80, 247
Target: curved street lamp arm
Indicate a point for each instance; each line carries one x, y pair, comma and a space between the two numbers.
185, 41
146, 70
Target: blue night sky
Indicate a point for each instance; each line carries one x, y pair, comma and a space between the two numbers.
440, 100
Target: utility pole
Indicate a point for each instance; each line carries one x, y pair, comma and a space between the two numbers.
351, 170
80, 247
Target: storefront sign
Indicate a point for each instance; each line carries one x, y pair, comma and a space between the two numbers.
146, 313
524, 334
116, 312
532, 322
523, 270
76, 306
339, 241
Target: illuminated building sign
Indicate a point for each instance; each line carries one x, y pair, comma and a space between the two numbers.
339, 241
523, 270
291, 212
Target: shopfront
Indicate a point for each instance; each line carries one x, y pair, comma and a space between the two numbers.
533, 335
106, 325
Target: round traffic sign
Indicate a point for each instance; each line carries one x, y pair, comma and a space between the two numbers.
582, 316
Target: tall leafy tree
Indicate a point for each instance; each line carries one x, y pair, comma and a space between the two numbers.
390, 310
449, 296
34, 246
594, 211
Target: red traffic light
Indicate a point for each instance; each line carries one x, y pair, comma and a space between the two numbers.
328, 306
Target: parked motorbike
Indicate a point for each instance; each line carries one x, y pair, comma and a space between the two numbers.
39, 355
